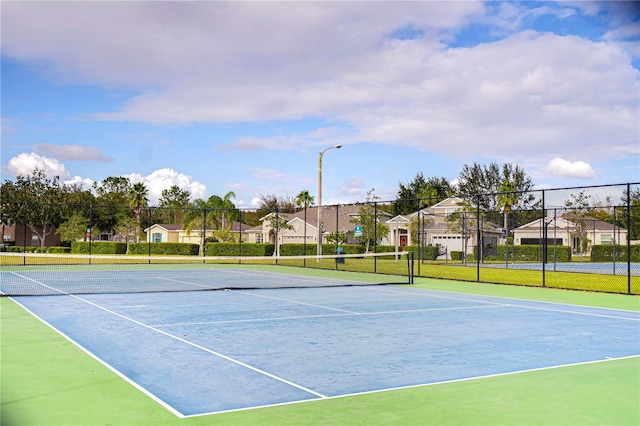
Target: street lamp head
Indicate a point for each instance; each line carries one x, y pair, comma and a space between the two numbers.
338, 145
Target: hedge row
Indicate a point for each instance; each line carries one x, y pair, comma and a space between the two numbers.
529, 253
428, 252
233, 249
36, 249
604, 253
98, 247
180, 249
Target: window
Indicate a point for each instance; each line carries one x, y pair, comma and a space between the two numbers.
156, 237
6, 237
606, 239
259, 238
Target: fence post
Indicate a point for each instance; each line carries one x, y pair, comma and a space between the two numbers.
478, 238
544, 241
628, 238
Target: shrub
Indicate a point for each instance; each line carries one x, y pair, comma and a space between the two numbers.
234, 249
180, 249
529, 253
428, 252
604, 253
58, 249
455, 255
98, 247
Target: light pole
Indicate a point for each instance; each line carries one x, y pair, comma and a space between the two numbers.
320, 154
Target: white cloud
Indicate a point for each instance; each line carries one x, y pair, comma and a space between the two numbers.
24, 164
165, 178
85, 183
72, 152
563, 168
529, 96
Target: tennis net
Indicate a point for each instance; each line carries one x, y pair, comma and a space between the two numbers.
38, 274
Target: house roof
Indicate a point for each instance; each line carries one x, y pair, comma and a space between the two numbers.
346, 214
166, 226
567, 221
235, 227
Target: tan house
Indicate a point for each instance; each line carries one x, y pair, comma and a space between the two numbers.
434, 227
570, 232
298, 227
167, 233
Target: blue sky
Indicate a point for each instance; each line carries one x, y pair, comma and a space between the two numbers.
241, 96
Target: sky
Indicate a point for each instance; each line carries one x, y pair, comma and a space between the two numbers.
238, 96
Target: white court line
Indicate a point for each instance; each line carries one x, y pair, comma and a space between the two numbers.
195, 345
362, 314
295, 277
444, 382
39, 283
246, 293
428, 293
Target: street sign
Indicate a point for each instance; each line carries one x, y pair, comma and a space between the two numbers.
357, 231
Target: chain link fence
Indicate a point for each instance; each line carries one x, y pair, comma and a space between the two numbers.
585, 238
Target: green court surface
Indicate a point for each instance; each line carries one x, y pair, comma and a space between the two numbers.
47, 380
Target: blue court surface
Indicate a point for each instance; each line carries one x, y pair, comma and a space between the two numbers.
213, 351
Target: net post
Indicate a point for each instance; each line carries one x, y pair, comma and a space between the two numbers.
410, 261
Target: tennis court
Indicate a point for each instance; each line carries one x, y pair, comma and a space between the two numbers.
206, 352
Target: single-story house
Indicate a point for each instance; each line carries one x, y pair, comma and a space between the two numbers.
434, 227
301, 226
168, 233
569, 231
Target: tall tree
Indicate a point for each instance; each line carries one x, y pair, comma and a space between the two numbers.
421, 192
224, 209
304, 199
211, 215
112, 203
172, 204
138, 199
37, 201
271, 203
507, 197
484, 182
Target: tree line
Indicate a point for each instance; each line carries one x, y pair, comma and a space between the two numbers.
120, 209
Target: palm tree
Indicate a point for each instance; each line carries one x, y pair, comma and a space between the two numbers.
507, 198
138, 198
304, 199
211, 214
223, 206
428, 196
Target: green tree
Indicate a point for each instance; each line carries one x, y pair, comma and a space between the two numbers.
172, 205
224, 210
634, 213
580, 207
214, 214
112, 204
372, 229
421, 192
506, 199
138, 199
74, 228
484, 182
337, 238
304, 199
36, 200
